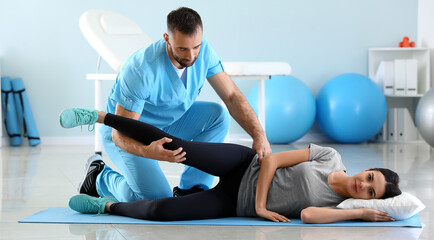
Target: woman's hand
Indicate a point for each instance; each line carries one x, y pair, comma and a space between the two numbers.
270, 215
372, 215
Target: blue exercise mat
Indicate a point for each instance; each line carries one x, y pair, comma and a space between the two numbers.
67, 215
24, 112
10, 112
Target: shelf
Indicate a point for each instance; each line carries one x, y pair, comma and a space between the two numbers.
401, 125
422, 55
399, 49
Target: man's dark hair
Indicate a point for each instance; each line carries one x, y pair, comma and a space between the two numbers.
185, 20
392, 180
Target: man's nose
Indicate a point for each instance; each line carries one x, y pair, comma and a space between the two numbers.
190, 55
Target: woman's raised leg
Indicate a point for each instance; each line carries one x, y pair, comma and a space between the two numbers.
214, 158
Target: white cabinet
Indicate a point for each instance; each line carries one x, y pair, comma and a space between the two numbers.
421, 55
398, 126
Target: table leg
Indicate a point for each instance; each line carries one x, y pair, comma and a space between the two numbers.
261, 102
98, 106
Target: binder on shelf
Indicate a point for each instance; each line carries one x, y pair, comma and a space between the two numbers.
400, 73
407, 130
392, 127
382, 134
385, 77
411, 77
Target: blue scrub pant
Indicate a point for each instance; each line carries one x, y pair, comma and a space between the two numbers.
142, 178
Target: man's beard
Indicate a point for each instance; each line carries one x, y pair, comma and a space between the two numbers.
180, 61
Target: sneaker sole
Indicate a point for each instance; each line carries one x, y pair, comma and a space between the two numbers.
86, 169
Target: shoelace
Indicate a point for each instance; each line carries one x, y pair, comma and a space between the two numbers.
89, 127
84, 116
99, 206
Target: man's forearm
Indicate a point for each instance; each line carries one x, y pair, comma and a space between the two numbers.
128, 144
241, 111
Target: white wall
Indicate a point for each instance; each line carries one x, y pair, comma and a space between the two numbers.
40, 41
425, 29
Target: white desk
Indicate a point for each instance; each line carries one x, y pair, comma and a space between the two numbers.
259, 71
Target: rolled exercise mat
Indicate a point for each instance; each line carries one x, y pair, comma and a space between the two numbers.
10, 112
24, 111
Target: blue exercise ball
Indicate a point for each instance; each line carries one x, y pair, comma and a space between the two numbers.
351, 108
289, 108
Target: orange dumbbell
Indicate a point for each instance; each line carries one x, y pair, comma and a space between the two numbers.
406, 42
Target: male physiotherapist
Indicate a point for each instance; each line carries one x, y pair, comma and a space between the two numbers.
159, 85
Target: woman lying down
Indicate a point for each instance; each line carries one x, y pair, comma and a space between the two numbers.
307, 183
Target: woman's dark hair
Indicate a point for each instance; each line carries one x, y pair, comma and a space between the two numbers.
392, 181
185, 20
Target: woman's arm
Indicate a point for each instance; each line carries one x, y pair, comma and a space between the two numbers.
269, 165
329, 215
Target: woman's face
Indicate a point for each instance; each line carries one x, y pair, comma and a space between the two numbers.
367, 185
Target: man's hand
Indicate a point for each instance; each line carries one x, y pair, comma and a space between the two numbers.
156, 151
372, 215
270, 215
262, 147
241, 111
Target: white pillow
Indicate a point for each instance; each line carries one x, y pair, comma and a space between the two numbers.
400, 207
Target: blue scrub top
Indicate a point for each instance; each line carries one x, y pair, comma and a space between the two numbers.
148, 84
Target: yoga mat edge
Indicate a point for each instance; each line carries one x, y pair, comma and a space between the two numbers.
68, 216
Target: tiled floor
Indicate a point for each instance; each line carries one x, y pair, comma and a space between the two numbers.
33, 179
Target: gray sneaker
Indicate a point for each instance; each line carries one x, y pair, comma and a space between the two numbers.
93, 167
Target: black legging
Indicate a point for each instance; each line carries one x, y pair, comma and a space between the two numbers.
227, 161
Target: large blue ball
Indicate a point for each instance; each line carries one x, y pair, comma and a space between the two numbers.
289, 108
351, 108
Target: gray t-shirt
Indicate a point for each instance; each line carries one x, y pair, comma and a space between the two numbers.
294, 188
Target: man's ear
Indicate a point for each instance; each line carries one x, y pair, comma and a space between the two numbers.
166, 37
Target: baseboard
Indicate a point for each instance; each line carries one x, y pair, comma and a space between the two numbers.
77, 140
73, 140
241, 138
311, 137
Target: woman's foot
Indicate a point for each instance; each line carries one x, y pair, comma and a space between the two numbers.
73, 117
87, 204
